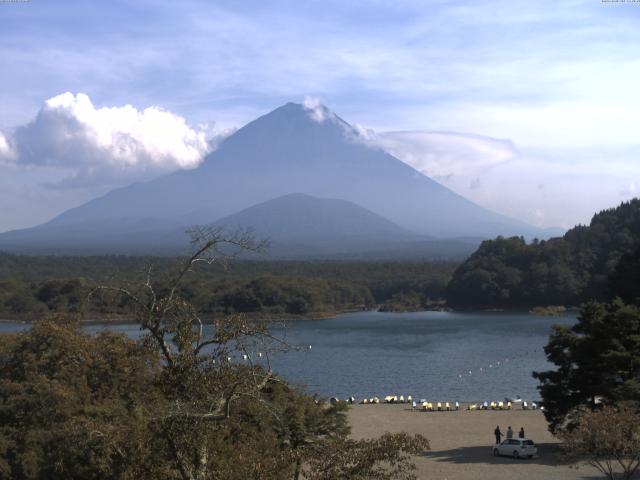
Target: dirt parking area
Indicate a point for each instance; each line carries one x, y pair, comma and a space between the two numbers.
461, 442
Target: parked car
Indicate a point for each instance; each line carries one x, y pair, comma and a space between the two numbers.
516, 448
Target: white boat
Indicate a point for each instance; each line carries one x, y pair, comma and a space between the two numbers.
516, 399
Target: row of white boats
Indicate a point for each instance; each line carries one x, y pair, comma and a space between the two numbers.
505, 405
424, 404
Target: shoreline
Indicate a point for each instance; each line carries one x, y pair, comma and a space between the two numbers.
120, 320
310, 316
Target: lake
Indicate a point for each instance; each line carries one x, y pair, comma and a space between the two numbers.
436, 355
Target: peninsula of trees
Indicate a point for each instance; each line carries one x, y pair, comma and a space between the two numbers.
568, 270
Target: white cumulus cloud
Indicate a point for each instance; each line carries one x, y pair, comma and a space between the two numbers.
107, 144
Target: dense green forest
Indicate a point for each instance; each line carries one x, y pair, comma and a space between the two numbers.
33, 286
625, 280
569, 270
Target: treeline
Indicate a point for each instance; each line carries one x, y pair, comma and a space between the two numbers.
570, 270
31, 287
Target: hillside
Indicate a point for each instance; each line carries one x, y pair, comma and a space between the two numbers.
568, 270
299, 224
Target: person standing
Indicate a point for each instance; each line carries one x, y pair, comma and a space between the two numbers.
509, 433
521, 433
498, 434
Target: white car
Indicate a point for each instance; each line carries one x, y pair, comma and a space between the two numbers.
516, 448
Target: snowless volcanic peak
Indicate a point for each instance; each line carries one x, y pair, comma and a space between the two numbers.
296, 148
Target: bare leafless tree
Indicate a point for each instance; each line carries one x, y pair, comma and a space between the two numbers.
209, 364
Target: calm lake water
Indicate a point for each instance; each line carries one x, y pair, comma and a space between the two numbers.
436, 355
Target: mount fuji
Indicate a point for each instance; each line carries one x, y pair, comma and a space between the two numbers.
291, 150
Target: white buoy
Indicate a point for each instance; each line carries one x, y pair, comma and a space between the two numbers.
309, 347
244, 357
260, 354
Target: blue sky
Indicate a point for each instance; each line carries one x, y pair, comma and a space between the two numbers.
528, 108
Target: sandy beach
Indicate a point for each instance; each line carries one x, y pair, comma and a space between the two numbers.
461, 442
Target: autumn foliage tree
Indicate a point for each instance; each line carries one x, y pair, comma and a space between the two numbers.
74, 405
607, 439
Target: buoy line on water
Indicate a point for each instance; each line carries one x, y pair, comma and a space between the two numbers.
497, 364
422, 404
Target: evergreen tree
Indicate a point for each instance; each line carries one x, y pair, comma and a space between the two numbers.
597, 360
625, 280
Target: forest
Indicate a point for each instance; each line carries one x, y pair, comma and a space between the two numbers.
570, 270
34, 286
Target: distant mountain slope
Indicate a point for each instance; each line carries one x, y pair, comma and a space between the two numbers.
299, 215
96, 236
297, 226
328, 224
300, 225
568, 270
